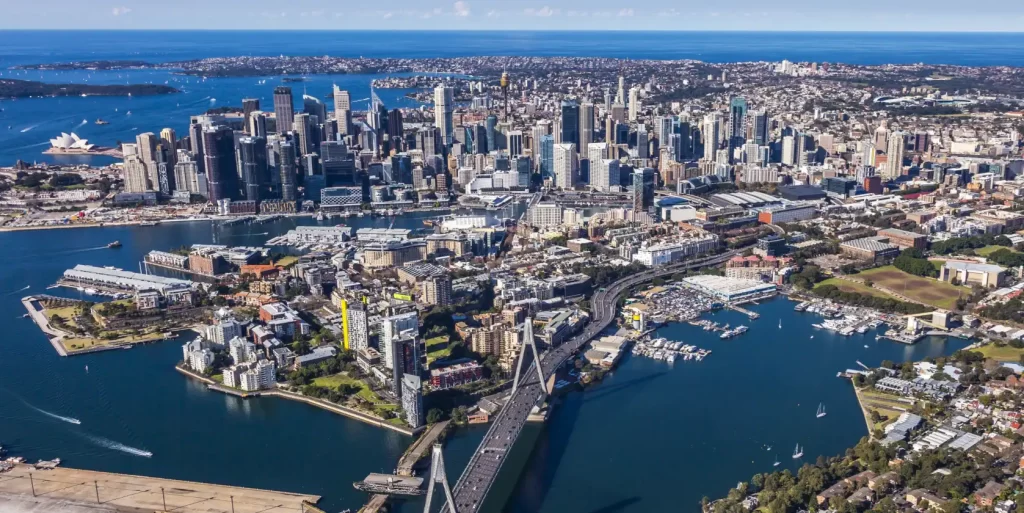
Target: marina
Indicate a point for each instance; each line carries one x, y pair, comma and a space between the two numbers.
664, 349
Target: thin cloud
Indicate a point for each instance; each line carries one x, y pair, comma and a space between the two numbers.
461, 9
625, 13
120, 11
543, 12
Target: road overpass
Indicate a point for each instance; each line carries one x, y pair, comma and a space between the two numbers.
482, 470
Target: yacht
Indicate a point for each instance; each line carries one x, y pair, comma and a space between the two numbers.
821, 410
776, 464
798, 452
780, 324
115, 244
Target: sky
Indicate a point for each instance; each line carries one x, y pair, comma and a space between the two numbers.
754, 15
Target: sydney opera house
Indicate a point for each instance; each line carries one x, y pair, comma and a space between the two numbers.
71, 144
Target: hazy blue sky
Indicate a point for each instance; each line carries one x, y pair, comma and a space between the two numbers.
860, 15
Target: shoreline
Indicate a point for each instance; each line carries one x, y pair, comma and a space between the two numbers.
863, 410
334, 408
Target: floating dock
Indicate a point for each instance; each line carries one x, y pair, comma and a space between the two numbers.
73, 490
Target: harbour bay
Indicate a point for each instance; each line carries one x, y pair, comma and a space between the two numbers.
713, 418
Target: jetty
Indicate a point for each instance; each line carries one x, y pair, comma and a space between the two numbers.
73, 490
35, 312
420, 448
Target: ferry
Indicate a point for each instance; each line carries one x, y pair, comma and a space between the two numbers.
100, 121
115, 244
149, 223
801, 307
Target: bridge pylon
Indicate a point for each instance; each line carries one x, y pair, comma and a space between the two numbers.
438, 475
528, 342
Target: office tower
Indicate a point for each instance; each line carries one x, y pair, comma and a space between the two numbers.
634, 102
492, 140
789, 150
586, 125
252, 154
426, 141
343, 111
524, 166
618, 113
195, 141
477, 139
603, 174
566, 165
412, 400
401, 169
922, 141
686, 140
249, 105
515, 143
303, 126
547, 156
642, 146
894, 154
664, 128
643, 189
220, 164
444, 107
761, 125
284, 112
314, 107
146, 151
620, 93
186, 172
609, 130
169, 140
287, 170
597, 152
257, 124
338, 164
737, 132
712, 134
881, 136
802, 147
396, 128
674, 145
570, 123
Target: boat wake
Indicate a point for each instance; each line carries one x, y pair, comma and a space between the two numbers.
69, 420
23, 289
26, 129
81, 123
117, 446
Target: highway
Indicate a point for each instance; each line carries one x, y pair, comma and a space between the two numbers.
478, 477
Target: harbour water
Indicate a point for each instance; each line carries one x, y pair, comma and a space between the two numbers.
650, 437
658, 437
32, 122
137, 415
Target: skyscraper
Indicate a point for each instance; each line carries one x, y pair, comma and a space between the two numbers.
343, 110
737, 132
547, 156
634, 103
186, 173
492, 140
566, 165
338, 163
604, 173
284, 108
643, 189
252, 154
257, 126
314, 107
570, 122
712, 134
286, 169
586, 125
249, 105
788, 150
444, 107
221, 169
894, 154
515, 143
761, 128
303, 126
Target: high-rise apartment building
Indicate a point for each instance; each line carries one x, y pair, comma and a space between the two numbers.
566, 165
444, 108
343, 110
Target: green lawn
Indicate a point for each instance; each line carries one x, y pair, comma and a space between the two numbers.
436, 341
287, 261
342, 379
925, 290
849, 286
988, 250
437, 349
1002, 354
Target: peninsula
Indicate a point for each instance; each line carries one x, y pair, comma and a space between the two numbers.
31, 89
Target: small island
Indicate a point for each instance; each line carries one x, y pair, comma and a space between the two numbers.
86, 65
30, 89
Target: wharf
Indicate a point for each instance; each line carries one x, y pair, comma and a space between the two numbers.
73, 490
738, 308
35, 311
420, 448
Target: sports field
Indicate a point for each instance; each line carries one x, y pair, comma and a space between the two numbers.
925, 290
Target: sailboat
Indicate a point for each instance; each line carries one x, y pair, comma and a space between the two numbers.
776, 464
798, 452
821, 410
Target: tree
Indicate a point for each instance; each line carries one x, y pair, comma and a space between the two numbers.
434, 416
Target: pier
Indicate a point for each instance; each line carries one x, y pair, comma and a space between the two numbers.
752, 315
420, 448
72, 490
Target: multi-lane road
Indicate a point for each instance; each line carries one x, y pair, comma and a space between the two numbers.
476, 480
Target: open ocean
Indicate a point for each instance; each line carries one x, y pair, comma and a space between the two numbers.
27, 125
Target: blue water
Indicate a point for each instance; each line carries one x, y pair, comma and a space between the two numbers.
32, 122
